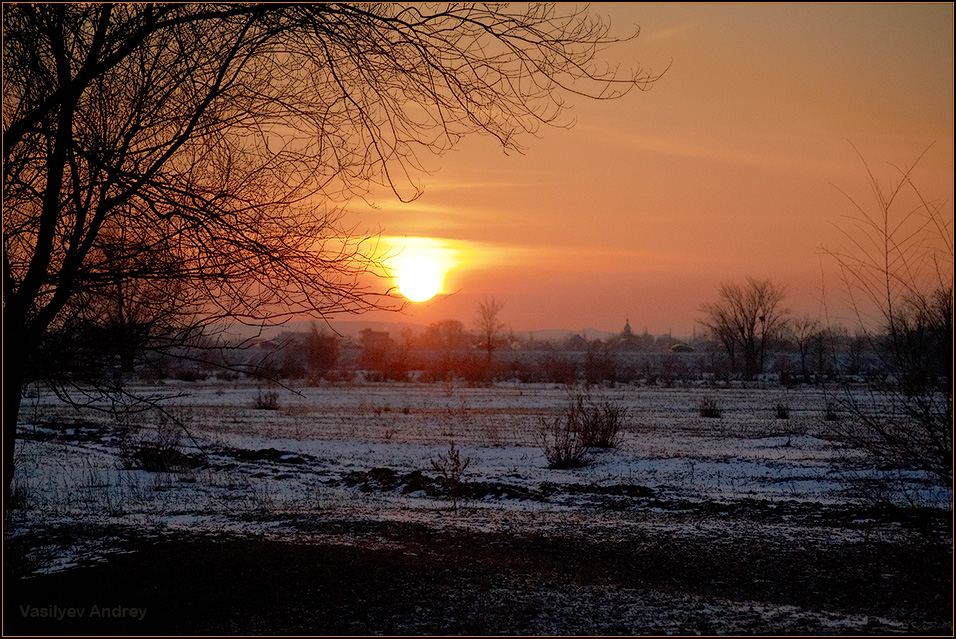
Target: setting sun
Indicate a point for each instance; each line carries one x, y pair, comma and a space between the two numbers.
418, 266
419, 279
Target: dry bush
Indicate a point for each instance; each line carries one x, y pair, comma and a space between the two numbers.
601, 424
897, 269
585, 424
782, 410
266, 400
452, 468
831, 412
709, 407
562, 442
160, 451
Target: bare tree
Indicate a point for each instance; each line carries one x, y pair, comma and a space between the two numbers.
446, 336
744, 320
804, 331
897, 269
226, 138
322, 351
488, 324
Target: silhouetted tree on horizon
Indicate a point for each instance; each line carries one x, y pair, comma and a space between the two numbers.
446, 336
322, 351
489, 325
804, 331
745, 320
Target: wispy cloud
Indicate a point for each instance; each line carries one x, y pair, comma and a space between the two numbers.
474, 255
761, 150
439, 186
666, 34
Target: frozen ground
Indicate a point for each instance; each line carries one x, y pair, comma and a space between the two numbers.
349, 465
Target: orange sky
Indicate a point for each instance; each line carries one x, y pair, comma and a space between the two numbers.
730, 166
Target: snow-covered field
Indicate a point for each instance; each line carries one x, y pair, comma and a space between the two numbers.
360, 453
72, 464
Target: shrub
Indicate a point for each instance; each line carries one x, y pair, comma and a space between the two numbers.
452, 469
562, 442
601, 425
163, 452
830, 413
584, 424
709, 408
268, 400
782, 410
899, 264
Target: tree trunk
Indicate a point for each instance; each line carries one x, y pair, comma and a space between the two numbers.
13, 376
751, 357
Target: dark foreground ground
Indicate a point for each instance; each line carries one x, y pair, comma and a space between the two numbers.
407, 578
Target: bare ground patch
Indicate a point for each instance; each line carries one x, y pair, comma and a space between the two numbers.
407, 578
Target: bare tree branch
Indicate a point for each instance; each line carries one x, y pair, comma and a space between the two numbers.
897, 271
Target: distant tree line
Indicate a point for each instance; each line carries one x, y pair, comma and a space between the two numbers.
803, 352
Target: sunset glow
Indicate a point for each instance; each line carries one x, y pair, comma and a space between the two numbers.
738, 163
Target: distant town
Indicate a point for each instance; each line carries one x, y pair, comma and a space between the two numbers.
355, 351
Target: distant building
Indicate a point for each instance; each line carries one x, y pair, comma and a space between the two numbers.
576, 343
376, 340
377, 348
627, 340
